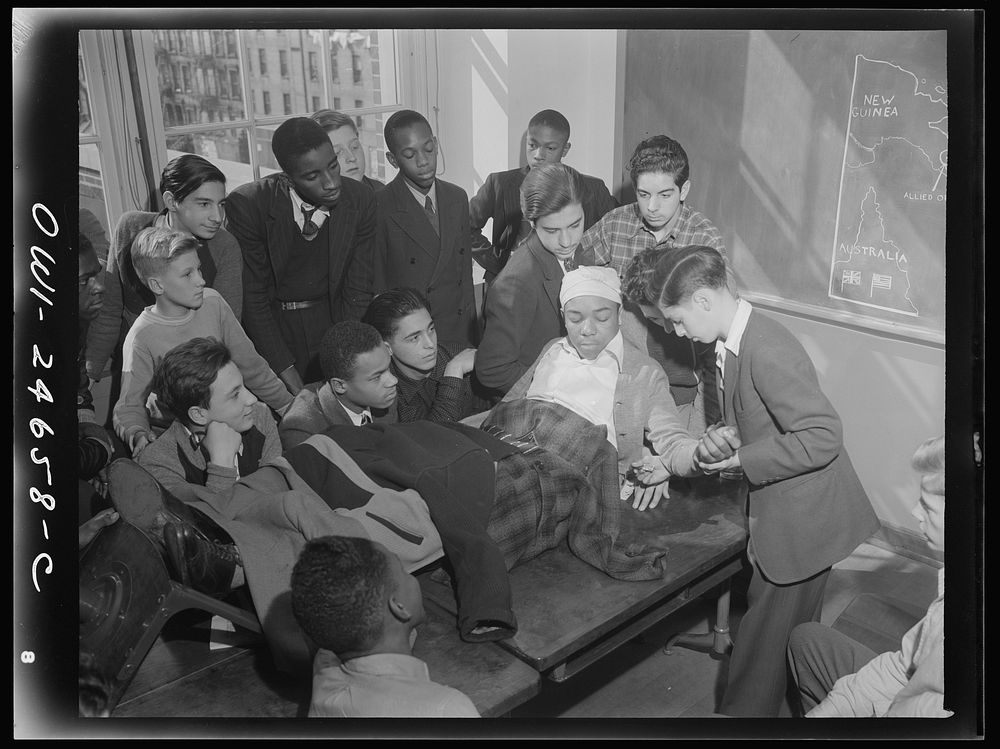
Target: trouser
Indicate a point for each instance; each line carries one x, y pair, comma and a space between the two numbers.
819, 655
758, 666
302, 331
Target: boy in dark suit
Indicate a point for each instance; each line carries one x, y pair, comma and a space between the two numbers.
807, 508
307, 238
358, 387
500, 199
423, 237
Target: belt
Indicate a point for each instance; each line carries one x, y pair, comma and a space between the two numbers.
300, 305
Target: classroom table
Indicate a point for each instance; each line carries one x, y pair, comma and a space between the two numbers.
570, 614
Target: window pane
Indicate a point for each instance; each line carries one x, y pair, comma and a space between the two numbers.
197, 87
93, 209
363, 66
86, 121
296, 80
227, 149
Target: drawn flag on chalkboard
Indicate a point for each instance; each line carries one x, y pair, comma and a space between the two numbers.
851, 278
881, 281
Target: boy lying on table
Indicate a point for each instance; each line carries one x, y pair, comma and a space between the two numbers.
595, 372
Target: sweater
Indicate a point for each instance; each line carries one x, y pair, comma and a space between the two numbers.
153, 335
120, 307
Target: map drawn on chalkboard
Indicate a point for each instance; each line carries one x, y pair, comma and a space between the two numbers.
891, 206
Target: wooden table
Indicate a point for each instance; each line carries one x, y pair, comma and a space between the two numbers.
570, 614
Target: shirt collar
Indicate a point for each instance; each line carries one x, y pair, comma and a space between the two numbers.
736, 328
356, 417
197, 439
639, 225
615, 350
299, 205
421, 198
388, 664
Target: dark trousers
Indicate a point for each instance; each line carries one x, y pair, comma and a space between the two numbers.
758, 667
819, 655
302, 331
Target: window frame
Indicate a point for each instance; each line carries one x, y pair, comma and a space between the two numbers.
413, 92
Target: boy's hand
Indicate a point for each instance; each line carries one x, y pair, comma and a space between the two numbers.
732, 462
139, 442
462, 364
718, 443
650, 478
91, 528
292, 379
222, 443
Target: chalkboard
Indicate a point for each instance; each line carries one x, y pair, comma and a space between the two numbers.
821, 156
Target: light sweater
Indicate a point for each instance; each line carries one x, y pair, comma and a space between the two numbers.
153, 335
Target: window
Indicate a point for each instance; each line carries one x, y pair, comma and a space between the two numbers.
237, 136
356, 65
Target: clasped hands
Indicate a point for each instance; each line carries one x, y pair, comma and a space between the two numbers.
718, 449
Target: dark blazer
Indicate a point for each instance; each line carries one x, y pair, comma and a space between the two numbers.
522, 315
316, 409
409, 253
808, 509
500, 199
374, 184
259, 215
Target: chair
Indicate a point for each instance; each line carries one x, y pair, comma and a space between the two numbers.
126, 597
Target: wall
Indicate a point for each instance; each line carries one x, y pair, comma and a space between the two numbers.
737, 98
491, 81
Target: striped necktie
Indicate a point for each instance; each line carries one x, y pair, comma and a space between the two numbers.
309, 229
431, 214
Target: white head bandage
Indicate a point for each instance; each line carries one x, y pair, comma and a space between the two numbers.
591, 280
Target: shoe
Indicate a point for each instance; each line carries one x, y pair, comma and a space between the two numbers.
143, 502
200, 563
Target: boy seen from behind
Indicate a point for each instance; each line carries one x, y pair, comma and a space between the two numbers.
357, 603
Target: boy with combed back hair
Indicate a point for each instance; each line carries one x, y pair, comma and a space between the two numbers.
355, 600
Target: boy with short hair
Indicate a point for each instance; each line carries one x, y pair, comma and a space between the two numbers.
355, 600
167, 262
220, 431
659, 220
499, 197
807, 508
838, 677
422, 236
358, 386
307, 238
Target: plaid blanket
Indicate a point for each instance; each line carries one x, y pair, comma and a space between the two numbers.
573, 487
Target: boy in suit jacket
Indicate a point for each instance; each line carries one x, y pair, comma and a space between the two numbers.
358, 387
807, 508
499, 198
307, 238
423, 237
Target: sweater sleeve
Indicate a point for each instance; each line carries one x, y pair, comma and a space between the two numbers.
257, 374
228, 258
130, 414
665, 430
